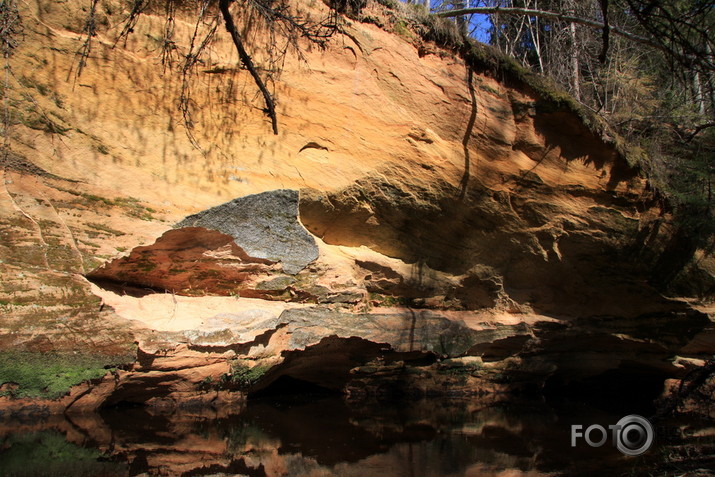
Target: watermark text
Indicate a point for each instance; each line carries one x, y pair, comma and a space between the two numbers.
632, 435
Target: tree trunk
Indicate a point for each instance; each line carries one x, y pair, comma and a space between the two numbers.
462, 23
699, 94
575, 66
536, 39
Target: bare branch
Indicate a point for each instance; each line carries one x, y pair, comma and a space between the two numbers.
678, 29
190, 60
138, 8
245, 58
90, 29
318, 33
168, 46
698, 129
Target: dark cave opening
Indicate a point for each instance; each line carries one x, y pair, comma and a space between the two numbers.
628, 389
327, 367
289, 386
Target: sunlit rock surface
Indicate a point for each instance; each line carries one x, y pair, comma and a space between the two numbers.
401, 254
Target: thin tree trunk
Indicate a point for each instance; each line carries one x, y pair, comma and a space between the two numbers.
605, 34
699, 93
708, 81
536, 38
462, 23
575, 66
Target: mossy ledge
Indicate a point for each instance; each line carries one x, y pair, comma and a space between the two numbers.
25, 374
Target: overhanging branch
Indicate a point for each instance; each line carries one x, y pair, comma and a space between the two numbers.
248, 63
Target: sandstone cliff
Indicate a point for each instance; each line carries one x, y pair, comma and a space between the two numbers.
404, 252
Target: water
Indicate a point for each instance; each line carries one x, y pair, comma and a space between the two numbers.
320, 436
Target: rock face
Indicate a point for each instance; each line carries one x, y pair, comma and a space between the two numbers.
420, 257
265, 226
549, 248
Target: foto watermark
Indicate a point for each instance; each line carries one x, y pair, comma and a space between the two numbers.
632, 435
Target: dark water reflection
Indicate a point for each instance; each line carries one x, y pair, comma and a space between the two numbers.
320, 437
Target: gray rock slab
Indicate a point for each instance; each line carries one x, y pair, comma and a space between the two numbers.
265, 225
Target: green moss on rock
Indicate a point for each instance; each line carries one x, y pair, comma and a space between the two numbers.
26, 374
244, 376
